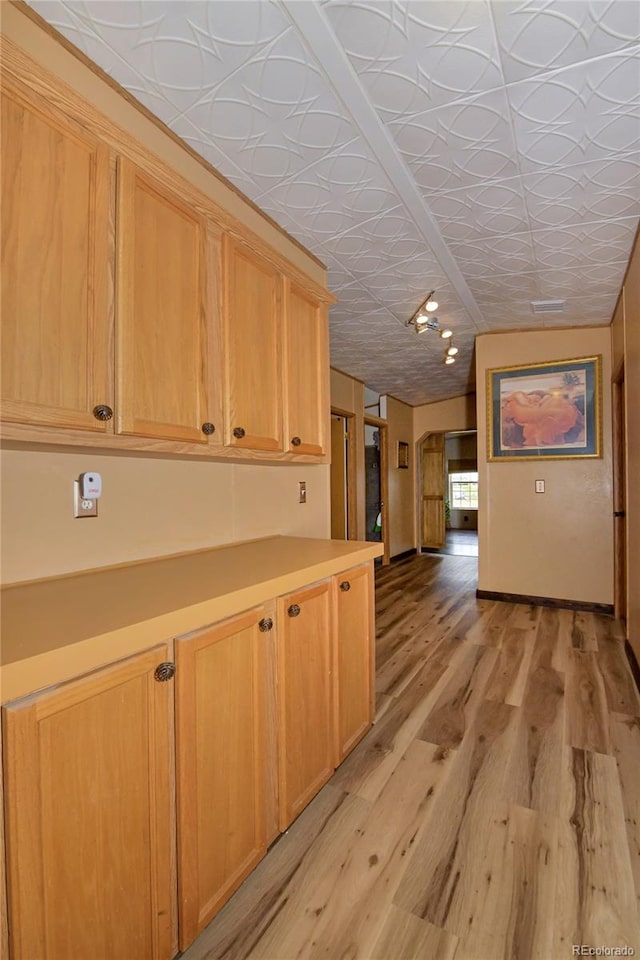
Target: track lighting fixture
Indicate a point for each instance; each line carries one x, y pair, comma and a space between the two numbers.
448, 360
451, 351
423, 318
445, 334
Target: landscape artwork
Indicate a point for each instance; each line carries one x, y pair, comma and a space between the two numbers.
550, 410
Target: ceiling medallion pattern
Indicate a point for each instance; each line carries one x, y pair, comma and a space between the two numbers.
488, 149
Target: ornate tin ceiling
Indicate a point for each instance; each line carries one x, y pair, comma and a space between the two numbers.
488, 150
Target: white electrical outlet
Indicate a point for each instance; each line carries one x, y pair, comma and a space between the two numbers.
539, 486
83, 506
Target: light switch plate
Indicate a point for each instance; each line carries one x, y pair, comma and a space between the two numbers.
539, 486
82, 506
302, 492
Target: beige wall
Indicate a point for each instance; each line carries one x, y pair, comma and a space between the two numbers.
149, 507
626, 329
402, 534
557, 544
459, 413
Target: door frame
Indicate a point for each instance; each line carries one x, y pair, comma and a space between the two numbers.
620, 493
351, 471
382, 426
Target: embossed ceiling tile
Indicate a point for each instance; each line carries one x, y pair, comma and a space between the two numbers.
493, 255
496, 208
216, 157
602, 279
580, 245
459, 145
604, 189
337, 276
412, 56
362, 258
517, 286
539, 35
584, 310
275, 115
587, 112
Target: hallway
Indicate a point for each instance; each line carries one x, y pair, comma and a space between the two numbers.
493, 811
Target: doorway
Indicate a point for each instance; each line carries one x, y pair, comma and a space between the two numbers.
375, 473
448, 492
343, 465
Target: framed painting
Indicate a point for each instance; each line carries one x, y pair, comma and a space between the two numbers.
547, 410
403, 455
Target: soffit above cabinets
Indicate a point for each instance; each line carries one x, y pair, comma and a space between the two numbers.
488, 150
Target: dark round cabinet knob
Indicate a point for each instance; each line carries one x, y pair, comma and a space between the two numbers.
164, 671
295, 441
208, 428
102, 412
238, 432
265, 624
345, 586
294, 610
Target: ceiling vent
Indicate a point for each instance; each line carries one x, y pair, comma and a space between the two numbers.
547, 306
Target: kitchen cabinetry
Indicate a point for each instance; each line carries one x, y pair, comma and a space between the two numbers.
252, 349
306, 365
353, 657
305, 697
138, 312
55, 215
221, 764
89, 816
164, 314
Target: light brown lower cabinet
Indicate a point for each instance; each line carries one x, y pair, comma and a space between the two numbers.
353, 657
92, 773
305, 698
220, 764
88, 802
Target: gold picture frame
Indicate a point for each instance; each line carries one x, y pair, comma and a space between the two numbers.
550, 411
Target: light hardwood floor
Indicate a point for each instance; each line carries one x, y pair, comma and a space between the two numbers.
492, 812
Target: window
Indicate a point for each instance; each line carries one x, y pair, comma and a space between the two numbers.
463, 491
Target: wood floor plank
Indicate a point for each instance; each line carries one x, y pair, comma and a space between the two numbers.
587, 720
406, 937
340, 912
583, 632
460, 816
596, 901
508, 681
621, 691
506, 903
460, 698
625, 738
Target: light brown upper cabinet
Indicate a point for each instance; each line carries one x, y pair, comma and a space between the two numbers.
252, 348
163, 319
55, 215
221, 764
305, 698
89, 816
306, 371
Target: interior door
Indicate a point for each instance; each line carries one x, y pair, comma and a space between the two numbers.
433, 491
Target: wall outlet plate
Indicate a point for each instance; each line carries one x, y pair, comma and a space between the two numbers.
82, 506
539, 486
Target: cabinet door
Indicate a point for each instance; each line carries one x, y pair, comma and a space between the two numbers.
221, 765
161, 334
353, 657
305, 698
307, 370
88, 805
253, 349
55, 217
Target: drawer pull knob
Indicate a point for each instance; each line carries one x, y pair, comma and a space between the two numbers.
295, 441
238, 432
294, 610
265, 625
208, 428
102, 412
345, 586
164, 671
